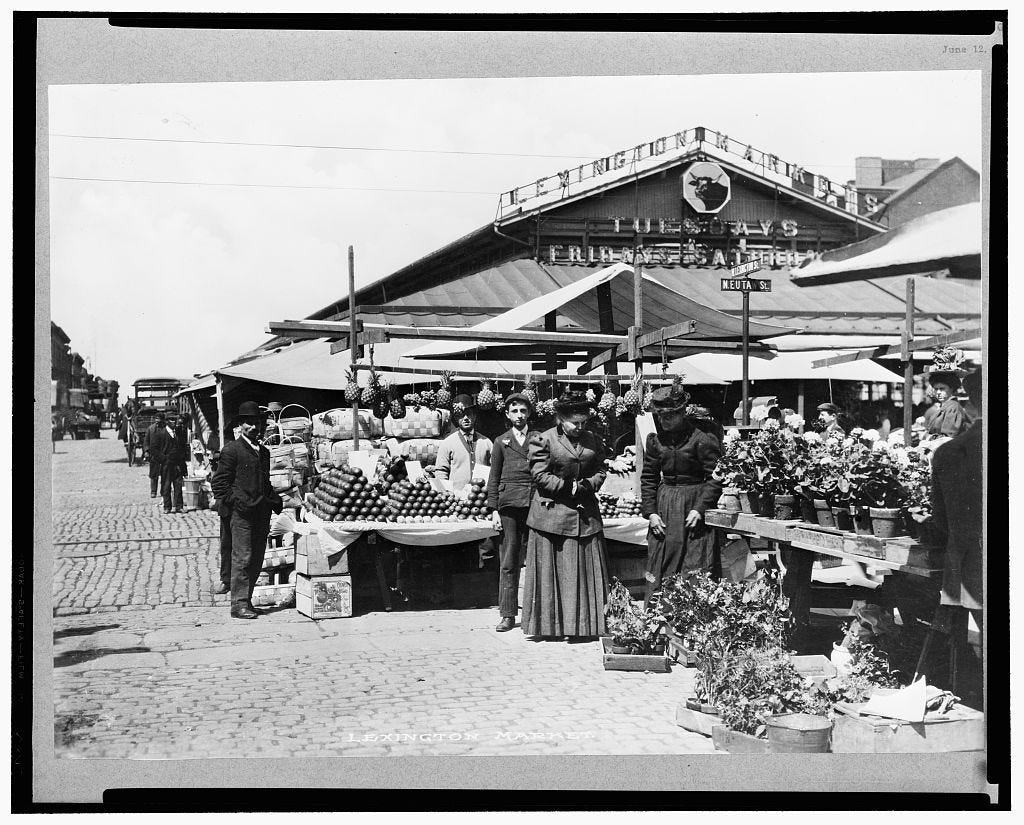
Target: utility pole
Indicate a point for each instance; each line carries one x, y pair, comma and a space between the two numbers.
352, 337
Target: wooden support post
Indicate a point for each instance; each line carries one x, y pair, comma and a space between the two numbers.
606, 317
221, 423
353, 340
636, 354
908, 366
800, 399
746, 359
551, 325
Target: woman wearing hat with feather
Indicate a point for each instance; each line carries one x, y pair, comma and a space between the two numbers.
676, 488
566, 573
945, 418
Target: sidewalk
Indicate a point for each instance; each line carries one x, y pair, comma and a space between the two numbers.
148, 663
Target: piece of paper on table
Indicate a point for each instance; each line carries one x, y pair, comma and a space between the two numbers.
441, 485
481, 471
906, 705
414, 470
366, 460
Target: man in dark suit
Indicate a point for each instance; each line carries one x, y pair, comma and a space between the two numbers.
155, 465
242, 485
169, 448
509, 492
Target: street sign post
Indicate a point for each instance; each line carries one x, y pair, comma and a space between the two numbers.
739, 282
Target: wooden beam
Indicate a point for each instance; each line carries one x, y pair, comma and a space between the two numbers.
370, 336
692, 346
336, 329
504, 376
667, 333
895, 349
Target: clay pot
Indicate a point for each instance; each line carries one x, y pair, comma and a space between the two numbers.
749, 501
861, 520
767, 507
807, 511
785, 506
823, 513
885, 522
730, 500
843, 519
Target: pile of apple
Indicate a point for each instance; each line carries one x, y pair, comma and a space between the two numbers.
607, 503
627, 507
345, 494
417, 502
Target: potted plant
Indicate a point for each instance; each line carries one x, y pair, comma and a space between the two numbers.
916, 476
733, 471
633, 630
757, 685
862, 668
773, 455
876, 491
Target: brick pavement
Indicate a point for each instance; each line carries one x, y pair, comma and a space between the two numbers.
148, 664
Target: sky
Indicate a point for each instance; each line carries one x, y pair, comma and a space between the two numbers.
179, 275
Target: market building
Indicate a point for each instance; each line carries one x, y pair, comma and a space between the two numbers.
896, 191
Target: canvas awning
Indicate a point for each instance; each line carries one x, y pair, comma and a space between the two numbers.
947, 239
786, 365
577, 302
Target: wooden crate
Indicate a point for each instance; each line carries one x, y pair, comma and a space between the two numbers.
865, 546
720, 518
817, 667
817, 538
678, 653
694, 720
312, 558
778, 529
323, 597
628, 566
962, 729
908, 553
629, 661
735, 742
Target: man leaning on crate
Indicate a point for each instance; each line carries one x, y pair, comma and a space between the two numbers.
242, 488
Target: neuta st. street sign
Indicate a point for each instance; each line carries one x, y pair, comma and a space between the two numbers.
745, 269
746, 285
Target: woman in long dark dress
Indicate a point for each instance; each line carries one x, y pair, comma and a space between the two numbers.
566, 574
676, 488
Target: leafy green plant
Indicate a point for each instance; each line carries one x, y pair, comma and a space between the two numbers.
874, 480
629, 625
869, 669
757, 683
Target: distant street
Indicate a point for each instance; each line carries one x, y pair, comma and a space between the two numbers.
148, 664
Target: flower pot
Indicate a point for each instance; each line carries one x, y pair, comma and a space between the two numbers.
730, 500
823, 513
843, 519
766, 508
785, 507
749, 501
885, 522
799, 733
807, 511
861, 519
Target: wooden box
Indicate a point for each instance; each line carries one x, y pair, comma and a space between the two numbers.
907, 553
323, 597
736, 742
720, 518
816, 667
962, 729
629, 661
312, 558
817, 538
778, 529
696, 721
678, 653
865, 546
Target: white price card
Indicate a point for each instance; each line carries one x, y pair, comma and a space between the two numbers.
414, 469
365, 460
481, 471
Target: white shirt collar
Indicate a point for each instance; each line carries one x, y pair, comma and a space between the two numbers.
247, 441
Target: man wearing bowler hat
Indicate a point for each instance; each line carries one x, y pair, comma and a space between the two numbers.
828, 415
242, 485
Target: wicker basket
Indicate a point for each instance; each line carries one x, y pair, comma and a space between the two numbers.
282, 480
301, 427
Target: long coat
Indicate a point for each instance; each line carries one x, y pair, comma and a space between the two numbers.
510, 483
555, 462
242, 481
684, 458
958, 513
165, 449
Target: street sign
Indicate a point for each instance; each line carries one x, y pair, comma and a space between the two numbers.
746, 285
740, 270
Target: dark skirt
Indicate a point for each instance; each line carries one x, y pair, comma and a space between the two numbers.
682, 548
565, 582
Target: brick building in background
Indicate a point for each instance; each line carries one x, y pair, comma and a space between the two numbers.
893, 192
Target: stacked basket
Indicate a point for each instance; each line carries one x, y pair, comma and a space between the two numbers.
333, 433
417, 435
290, 454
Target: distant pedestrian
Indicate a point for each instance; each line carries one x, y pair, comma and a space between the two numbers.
155, 463
170, 446
509, 492
242, 486
829, 420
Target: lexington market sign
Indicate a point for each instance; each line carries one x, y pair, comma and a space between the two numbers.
843, 196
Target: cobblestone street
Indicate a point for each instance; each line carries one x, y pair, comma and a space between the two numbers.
148, 663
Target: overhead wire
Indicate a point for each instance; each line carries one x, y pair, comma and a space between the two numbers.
272, 185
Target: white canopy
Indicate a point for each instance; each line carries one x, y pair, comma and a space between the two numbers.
786, 365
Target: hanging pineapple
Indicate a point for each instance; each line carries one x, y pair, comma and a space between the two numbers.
443, 398
371, 392
608, 399
591, 395
530, 391
351, 387
620, 405
382, 405
486, 399
633, 397
397, 404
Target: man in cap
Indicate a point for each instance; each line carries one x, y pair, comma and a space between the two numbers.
169, 447
828, 415
509, 492
460, 452
155, 464
242, 484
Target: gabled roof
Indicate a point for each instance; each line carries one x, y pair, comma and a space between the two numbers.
910, 182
